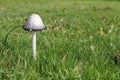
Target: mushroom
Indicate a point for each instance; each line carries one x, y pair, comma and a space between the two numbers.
33, 24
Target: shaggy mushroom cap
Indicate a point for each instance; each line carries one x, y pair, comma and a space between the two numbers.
34, 23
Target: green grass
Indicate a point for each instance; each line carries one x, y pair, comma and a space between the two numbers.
83, 47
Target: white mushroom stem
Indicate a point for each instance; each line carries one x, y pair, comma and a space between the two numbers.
34, 44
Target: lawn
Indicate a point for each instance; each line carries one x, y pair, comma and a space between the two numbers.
80, 42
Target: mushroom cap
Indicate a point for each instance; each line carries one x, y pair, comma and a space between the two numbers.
34, 23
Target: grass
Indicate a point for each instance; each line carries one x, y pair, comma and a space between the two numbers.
80, 42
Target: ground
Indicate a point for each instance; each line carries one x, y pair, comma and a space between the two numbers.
79, 43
